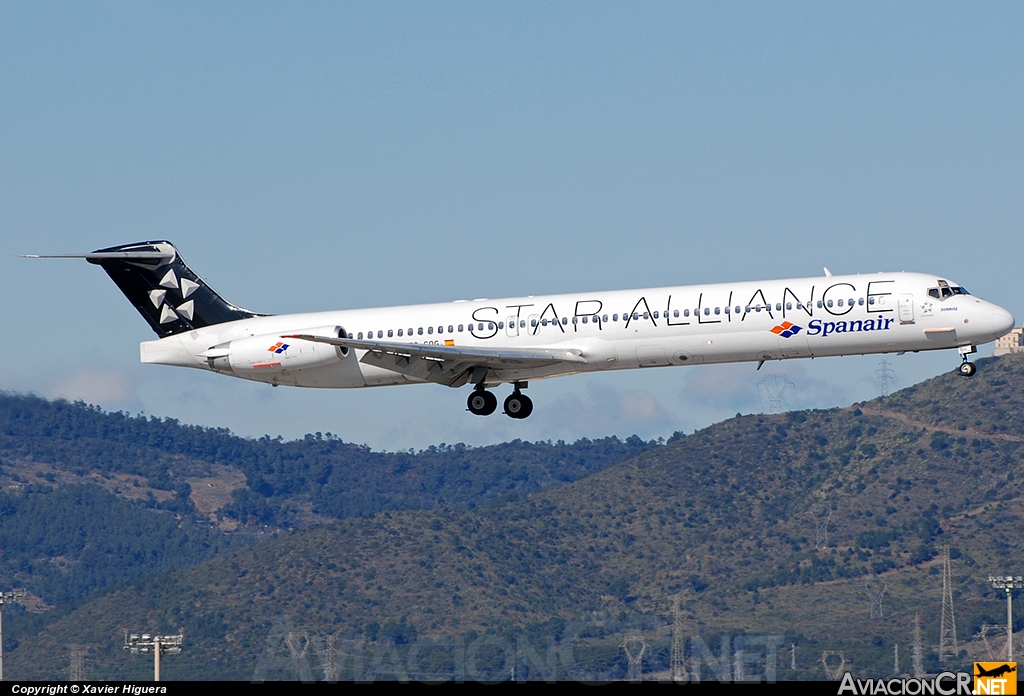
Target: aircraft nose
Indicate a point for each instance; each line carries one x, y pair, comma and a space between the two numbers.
1002, 321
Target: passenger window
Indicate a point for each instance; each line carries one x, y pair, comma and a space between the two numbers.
757, 308
850, 302
460, 328
707, 311
430, 329
522, 323
543, 322
533, 322
380, 334
656, 315
737, 309
360, 335
615, 317
584, 320
718, 310
871, 301
819, 304
605, 319
647, 315
830, 303
391, 333
861, 302
675, 313
501, 325
399, 332
727, 310
686, 312
789, 306
451, 329
419, 331
799, 305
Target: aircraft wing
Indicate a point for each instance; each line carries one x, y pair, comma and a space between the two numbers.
450, 365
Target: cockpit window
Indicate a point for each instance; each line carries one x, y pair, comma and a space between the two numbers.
944, 291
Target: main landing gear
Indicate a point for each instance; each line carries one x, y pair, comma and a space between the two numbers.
967, 368
483, 403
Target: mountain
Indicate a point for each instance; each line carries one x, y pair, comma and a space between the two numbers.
813, 531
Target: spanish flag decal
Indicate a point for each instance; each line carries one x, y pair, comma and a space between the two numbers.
449, 341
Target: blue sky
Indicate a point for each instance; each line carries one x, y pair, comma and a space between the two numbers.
332, 155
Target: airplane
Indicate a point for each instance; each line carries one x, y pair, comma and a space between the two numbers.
485, 343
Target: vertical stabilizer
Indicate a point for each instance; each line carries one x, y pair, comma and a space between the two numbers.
167, 293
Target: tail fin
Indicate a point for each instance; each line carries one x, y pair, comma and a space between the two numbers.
159, 284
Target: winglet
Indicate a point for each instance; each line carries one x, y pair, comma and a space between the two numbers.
828, 273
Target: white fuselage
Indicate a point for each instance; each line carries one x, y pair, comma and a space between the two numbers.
613, 330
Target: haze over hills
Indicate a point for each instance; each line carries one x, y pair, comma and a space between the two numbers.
785, 529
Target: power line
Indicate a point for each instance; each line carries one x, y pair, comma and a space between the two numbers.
636, 660
948, 647
886, 375
678, 641
76, 654
774, 387
917, 649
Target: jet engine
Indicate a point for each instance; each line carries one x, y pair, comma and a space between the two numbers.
271, 354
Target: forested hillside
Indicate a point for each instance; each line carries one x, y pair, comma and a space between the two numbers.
825, 529
90, 500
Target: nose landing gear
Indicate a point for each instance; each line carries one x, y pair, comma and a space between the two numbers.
967, 368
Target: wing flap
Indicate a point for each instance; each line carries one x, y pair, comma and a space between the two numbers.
449, 365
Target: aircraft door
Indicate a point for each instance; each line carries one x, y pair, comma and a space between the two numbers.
906, 308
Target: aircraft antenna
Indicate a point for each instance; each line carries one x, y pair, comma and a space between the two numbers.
635, 656
896, 660
774, 388
885, 375
947, 628
792, 656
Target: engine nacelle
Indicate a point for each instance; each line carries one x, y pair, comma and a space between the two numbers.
271, 354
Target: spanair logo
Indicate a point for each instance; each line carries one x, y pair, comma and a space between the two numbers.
278, 348
786, 329
995, 677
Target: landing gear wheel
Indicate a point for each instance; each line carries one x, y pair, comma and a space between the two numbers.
967, 369
518, 405
482, 403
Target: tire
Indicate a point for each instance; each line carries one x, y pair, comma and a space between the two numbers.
967, 369
482, 403
518, 406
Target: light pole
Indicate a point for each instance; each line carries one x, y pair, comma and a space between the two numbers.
144, 643
1008, 583
6, 598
